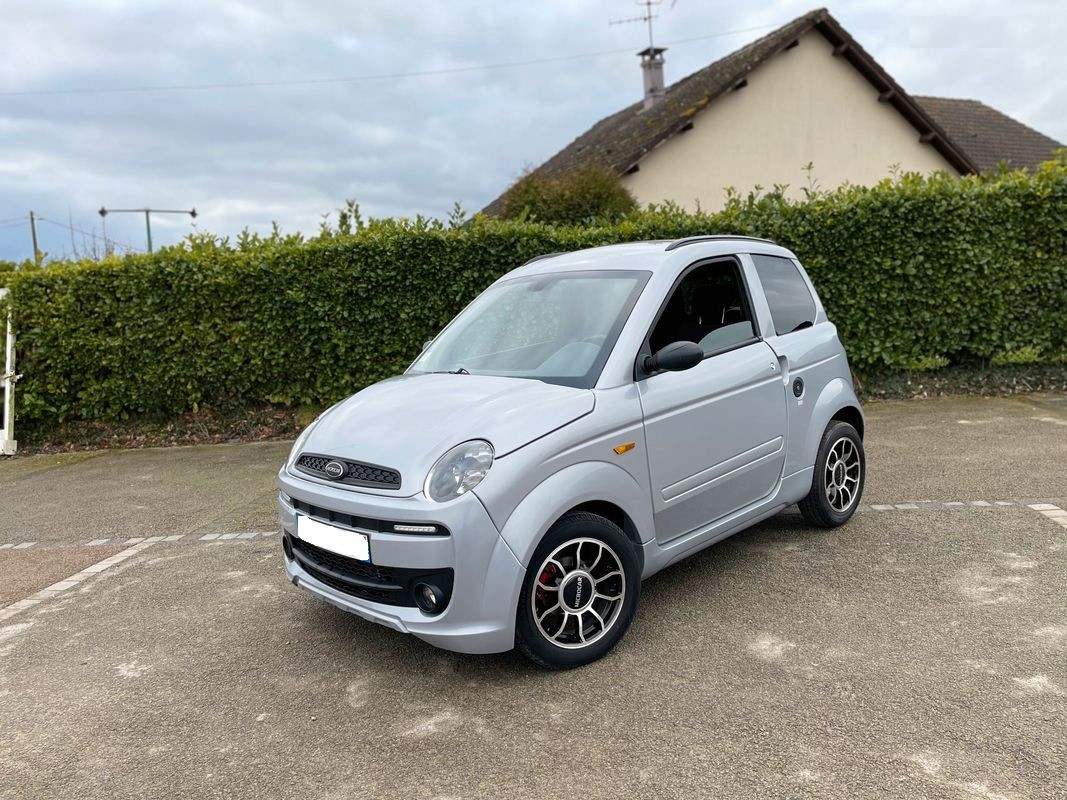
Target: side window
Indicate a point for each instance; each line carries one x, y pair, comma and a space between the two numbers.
708, 307
792, 307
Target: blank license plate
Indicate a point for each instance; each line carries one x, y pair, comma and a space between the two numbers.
336, 540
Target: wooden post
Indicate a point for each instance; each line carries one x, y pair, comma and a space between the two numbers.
8, 445
33, 234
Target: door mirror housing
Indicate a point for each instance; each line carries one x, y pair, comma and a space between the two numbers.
675, 357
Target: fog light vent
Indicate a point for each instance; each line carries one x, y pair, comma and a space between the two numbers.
430, 598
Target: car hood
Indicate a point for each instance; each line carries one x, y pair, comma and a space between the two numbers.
408, 422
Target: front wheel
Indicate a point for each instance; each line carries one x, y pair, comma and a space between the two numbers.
840, 470
580, 593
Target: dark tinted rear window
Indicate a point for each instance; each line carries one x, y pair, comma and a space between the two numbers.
792, 307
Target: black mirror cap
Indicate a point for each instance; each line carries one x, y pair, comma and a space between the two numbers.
675, 357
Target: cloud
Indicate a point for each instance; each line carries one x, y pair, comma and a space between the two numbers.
248, 156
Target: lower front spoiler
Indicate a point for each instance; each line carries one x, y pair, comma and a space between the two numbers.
493, 636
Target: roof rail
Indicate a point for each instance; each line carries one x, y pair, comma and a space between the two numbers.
714, 237
542, 257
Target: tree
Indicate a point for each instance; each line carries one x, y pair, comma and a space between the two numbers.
580, 196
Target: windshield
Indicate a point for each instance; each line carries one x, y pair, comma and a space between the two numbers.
557, 328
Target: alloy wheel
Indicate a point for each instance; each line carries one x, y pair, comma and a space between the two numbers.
842, 473
578, 594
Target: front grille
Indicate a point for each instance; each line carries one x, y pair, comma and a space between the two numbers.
356, 473
349, 566
389, 585
362, 592
313, 463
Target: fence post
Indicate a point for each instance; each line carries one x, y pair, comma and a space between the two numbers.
8, 445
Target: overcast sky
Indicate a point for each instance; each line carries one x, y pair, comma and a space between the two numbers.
246, 156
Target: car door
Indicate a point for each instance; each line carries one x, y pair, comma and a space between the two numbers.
715, 433
806, 344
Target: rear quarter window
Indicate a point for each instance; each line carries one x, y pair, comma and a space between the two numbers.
792, 306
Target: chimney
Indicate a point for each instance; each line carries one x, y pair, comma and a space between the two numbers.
652, 67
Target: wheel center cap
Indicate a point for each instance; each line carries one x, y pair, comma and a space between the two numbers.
577, 591
839, 474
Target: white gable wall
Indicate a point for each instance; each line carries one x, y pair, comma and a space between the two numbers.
802, 105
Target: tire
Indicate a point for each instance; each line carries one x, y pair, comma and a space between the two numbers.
829, 508
579, 552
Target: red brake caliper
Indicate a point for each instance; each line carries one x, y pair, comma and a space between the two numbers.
543, 580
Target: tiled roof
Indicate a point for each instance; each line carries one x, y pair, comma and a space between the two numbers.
988, 136
620, 141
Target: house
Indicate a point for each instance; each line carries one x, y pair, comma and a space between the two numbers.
807, 93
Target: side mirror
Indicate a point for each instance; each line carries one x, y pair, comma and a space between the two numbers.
675, 357
427, 343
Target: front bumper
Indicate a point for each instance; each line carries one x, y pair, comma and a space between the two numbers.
480, 615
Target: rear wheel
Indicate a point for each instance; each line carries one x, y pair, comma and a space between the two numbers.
840, 470
580, 593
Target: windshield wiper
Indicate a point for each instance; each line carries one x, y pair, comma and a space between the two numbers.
460, 371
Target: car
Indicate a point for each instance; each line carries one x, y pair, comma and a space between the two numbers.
589, 419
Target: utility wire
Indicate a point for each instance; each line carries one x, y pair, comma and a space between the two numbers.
95, 236
183, 87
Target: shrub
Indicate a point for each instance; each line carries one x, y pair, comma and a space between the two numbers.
917, 270
574, 198
7, 270
1024, 355
928, 363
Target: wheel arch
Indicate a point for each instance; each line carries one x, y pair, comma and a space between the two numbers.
852, 415
615, 515
597, 487
837, 401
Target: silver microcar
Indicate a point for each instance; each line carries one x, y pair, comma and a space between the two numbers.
589, 419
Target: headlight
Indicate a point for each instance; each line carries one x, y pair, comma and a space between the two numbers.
458, 471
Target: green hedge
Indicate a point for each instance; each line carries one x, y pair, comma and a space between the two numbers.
7, 272
915, 271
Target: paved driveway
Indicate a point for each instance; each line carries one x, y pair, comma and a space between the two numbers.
920, 651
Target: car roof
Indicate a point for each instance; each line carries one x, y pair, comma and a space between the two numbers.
648, 255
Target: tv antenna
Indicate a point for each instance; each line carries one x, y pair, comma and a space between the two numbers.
647, 17
147, 216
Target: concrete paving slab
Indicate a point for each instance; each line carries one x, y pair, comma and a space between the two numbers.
917, 652
900, 656
966, 448
139, 493
24, 572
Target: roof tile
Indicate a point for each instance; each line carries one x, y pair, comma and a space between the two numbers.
987, 135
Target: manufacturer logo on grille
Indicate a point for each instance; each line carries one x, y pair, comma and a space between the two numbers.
334, 469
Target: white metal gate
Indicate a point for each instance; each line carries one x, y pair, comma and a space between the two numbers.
8, 444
